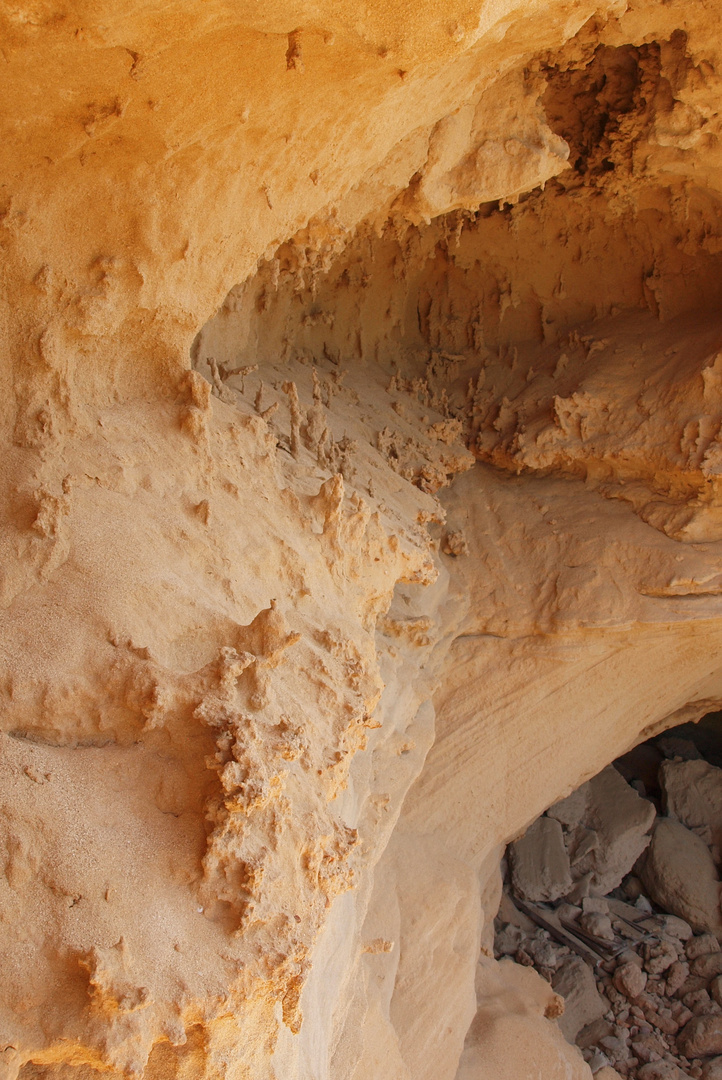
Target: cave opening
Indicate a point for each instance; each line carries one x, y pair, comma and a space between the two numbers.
612, 896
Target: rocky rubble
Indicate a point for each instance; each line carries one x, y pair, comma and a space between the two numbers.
589, 840
613, 896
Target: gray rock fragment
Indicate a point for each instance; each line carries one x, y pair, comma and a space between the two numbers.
693, 794
571, 810
539, 862
583, 1003
621, 821
679, 874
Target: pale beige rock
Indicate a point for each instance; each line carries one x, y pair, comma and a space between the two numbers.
539, 862
680, 876
510, 913
575, 982
648, 1047
630, 980
701, 945
660, 957
590, 1035
580, 842
238, 836
693, 793
661, 1070
460, 763
701, 1037
621, 821
676, 976
676, 928
707, 966
598, 905
597, 924
511, 1036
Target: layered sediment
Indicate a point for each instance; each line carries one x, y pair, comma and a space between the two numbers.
362, 406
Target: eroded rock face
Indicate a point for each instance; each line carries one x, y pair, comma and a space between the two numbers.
314, 603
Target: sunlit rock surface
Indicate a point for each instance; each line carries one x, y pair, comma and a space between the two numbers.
361, 401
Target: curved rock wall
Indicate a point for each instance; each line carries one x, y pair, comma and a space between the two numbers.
314, 603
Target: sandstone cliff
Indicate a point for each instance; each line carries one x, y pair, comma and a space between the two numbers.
362, 414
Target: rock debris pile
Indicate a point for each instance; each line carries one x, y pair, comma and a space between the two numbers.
613, 896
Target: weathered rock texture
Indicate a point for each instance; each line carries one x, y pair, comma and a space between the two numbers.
277, 688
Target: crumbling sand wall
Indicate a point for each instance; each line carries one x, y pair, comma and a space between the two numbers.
312, 606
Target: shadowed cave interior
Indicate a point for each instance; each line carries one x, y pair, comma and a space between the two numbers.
616, 903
